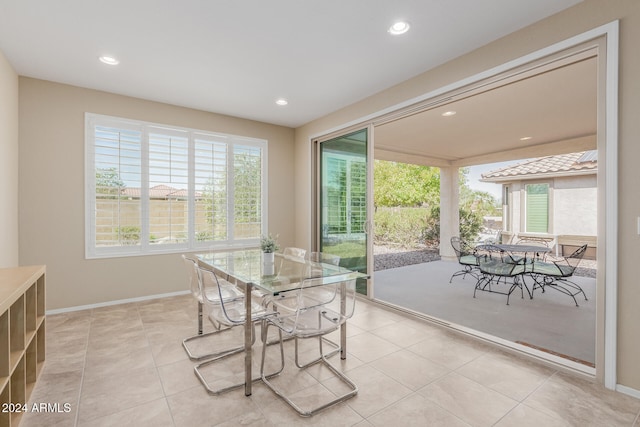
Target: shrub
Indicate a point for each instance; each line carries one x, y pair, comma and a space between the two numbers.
400, 226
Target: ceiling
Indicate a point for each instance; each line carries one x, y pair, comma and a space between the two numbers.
238, 57
551, 111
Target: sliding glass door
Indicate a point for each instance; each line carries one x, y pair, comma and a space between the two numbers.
343, 218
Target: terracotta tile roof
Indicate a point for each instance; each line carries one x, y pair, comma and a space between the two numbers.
159, 192
561, 164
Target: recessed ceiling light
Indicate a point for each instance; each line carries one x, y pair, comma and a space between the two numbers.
398, 28
449, 113
525, 138
282, 102
109, 60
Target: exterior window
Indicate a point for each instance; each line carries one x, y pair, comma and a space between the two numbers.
537, 208
506, 212
158, 189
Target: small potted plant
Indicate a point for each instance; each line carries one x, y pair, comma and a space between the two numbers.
269, 245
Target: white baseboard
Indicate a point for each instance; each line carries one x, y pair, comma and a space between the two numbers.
116, 302
628, 391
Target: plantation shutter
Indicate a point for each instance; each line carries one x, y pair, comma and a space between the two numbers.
247, 172
152, 188
168, 186
537, 208
210, 190
117, 160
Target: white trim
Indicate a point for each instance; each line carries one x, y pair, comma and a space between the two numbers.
145, 247
116, 302
628, 391
611, 210
610, 31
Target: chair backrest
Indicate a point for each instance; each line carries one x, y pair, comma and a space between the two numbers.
191, 265
291, 268
574, 259
324, 257
461, 247
456, 243
534, 241
322, 308
297, 252
225, 299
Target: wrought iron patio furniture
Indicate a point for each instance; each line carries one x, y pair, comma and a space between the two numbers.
497, 265
542, 242
555, 274
211, 298
466, 255
314, 319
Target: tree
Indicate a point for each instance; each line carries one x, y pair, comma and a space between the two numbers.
470, 226
402, 184
108, 183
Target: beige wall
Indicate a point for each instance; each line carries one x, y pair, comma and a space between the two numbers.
571, 22
52, 191
575, 206
8, 164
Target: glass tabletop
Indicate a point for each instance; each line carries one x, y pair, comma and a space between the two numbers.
283, 274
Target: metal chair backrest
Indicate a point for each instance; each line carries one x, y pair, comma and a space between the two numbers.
461, 247
534, 241
574, 259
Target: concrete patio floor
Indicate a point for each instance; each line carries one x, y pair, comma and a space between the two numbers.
550, 321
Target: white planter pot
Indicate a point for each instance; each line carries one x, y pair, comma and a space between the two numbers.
268, 267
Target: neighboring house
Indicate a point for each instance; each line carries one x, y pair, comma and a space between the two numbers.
553, 197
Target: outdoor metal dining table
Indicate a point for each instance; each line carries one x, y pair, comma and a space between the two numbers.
519, 249
248, 268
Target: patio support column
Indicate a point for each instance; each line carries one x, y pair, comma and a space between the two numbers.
449, 211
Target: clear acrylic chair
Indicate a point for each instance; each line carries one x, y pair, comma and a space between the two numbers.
324, 257
211, 298
314, 319
229, 313
297, 252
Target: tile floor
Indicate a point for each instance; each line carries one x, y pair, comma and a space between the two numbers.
124, 366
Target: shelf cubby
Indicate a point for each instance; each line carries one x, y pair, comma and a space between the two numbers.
22, 337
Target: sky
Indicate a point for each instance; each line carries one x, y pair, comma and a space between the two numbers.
493, 188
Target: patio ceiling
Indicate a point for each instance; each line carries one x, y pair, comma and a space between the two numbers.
556, 108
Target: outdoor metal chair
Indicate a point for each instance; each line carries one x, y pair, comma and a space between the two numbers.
496, 265
466, 255
535, 241
555, 274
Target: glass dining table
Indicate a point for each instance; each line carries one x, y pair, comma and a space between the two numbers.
250, 269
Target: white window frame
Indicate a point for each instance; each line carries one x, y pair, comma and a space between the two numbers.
145, 247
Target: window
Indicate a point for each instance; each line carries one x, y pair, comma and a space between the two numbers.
537, 208
506, 211
156, 189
